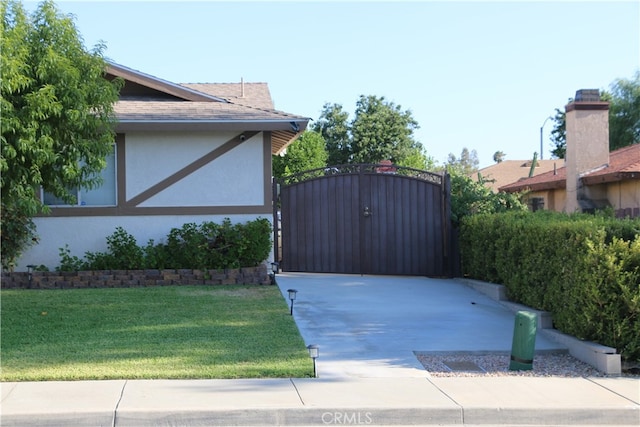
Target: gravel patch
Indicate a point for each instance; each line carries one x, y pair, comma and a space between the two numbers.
496, 364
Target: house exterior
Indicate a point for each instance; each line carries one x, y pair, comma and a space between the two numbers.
508, 171
183, 153
592, 177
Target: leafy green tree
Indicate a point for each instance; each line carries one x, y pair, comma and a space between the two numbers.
305, 153
469, 197
57, 116
559, 134
418, 159
624, 112
624, 117
334, 127
379, 131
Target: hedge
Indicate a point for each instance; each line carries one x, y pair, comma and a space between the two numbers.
584, 269
203, 246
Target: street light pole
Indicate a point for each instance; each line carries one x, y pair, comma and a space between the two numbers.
541, 128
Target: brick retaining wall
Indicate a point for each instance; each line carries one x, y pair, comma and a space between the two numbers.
133, 278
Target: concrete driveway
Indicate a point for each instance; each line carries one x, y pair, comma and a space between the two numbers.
370, 326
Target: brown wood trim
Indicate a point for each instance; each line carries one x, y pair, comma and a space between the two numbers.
173, 89
121, 169
168, 210
610, 177
587, 106
267, 168
189, 169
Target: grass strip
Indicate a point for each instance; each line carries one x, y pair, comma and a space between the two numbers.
173, 332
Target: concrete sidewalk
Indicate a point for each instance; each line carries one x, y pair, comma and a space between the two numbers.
368, 329
300, 402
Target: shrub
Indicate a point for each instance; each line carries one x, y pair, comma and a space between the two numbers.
205, 246
584, 269
123, 253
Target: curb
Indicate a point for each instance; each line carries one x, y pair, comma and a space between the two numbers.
604, 359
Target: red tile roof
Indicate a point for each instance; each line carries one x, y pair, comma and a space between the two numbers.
624, 163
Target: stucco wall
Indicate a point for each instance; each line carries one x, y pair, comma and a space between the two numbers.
235, 181
230, 180
624, 195
554, 200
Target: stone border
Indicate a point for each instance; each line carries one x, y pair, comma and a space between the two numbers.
133, 278
604, 359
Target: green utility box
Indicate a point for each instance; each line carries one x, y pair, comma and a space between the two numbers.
524, 341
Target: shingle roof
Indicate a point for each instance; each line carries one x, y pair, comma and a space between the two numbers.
624, 163
155, 110
509, 171
237, 106
250, 94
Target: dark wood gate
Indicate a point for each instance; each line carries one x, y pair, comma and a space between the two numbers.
363, 219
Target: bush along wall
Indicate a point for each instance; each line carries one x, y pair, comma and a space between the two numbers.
206, 253
583, 269
205, 246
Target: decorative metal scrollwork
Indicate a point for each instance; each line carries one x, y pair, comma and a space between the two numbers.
379, 168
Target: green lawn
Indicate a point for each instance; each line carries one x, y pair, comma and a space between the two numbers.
160, 332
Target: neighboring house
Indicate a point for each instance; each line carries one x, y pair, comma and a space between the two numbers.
592, 177
508, 171
183, 153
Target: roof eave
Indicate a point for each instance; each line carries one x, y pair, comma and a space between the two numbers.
160, 84
295, 125
610, 177
283, 133
541, 186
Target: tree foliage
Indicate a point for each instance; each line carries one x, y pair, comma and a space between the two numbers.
624, 112
624, 117
305, 153
380, 130
467, 164
559, 134
57, 116
499, 156
469, 197
333, 126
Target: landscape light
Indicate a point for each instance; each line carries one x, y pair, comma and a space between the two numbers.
314, 352
292, 297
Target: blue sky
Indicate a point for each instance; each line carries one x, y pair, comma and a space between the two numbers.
476, 74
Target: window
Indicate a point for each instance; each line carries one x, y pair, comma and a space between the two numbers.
536, 203
105, 195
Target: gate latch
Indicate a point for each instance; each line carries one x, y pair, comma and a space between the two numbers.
366, 212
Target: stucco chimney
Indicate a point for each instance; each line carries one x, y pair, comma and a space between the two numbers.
587, 137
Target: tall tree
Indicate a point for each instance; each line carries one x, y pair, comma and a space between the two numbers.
499, 156
624, 112
57, 116
559, 134
305, 153
379, 131
333, 126
624, 117
418, 159
467, 164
